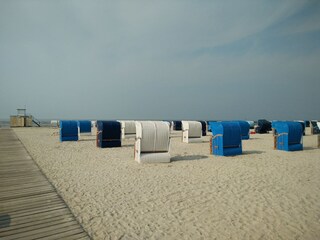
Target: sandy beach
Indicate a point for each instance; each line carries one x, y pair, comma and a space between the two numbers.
261, 194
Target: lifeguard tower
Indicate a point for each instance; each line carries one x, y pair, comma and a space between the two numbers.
22, 119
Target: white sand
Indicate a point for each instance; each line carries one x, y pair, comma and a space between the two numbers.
262, 194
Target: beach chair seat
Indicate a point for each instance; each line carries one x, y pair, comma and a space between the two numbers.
170, 124
108, 134
152, 142
191, 131
54, 123
209, 126
245, 129
264, 126
288, 135
177, 125
315, 127
84, 127
204, 127
226, 139
68, 130
128, 129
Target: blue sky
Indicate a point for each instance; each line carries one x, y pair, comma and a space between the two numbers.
160, 59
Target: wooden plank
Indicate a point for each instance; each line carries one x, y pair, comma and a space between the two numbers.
43, 231
28, 204
15, 161
36, 222
38, 225
27, 199
23, 193
26, 176
17, 181
14, 165
34, 209
18, 174
23, 186
38, 216
68, 235
14, 194
32, 205
18, 168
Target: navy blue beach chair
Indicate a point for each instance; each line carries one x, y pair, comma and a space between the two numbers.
264, 126
204, 128
108, 134
177, 125
68, 130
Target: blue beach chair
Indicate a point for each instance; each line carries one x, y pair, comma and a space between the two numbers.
288, 135
245, 130
68, 130
84, 126
226, 138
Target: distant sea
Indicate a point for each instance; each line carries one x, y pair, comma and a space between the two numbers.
5, 123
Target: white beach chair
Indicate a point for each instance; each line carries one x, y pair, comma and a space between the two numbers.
191, 131
152, 142
128, 129
54, 123
94, 128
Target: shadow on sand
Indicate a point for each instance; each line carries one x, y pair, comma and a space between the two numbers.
188, 157
252, 152
127, 145
87, 140
310, 148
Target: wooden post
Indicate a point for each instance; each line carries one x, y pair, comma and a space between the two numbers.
274, 141
97, 143
318, 137
211, 146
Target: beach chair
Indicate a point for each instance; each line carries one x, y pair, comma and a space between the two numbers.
303, 125
108, 134
54, 123
177, 125
68, 130
288, 135
264, 126
307, 123
315, 127
245, 129
152, 142
84, 127
209, 126
226, 139
191, 131
128, 129
94, 128
251, 123
204, 127
170, 124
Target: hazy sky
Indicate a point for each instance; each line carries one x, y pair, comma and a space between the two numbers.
163, 59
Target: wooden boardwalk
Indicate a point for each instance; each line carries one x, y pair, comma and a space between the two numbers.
30, 207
